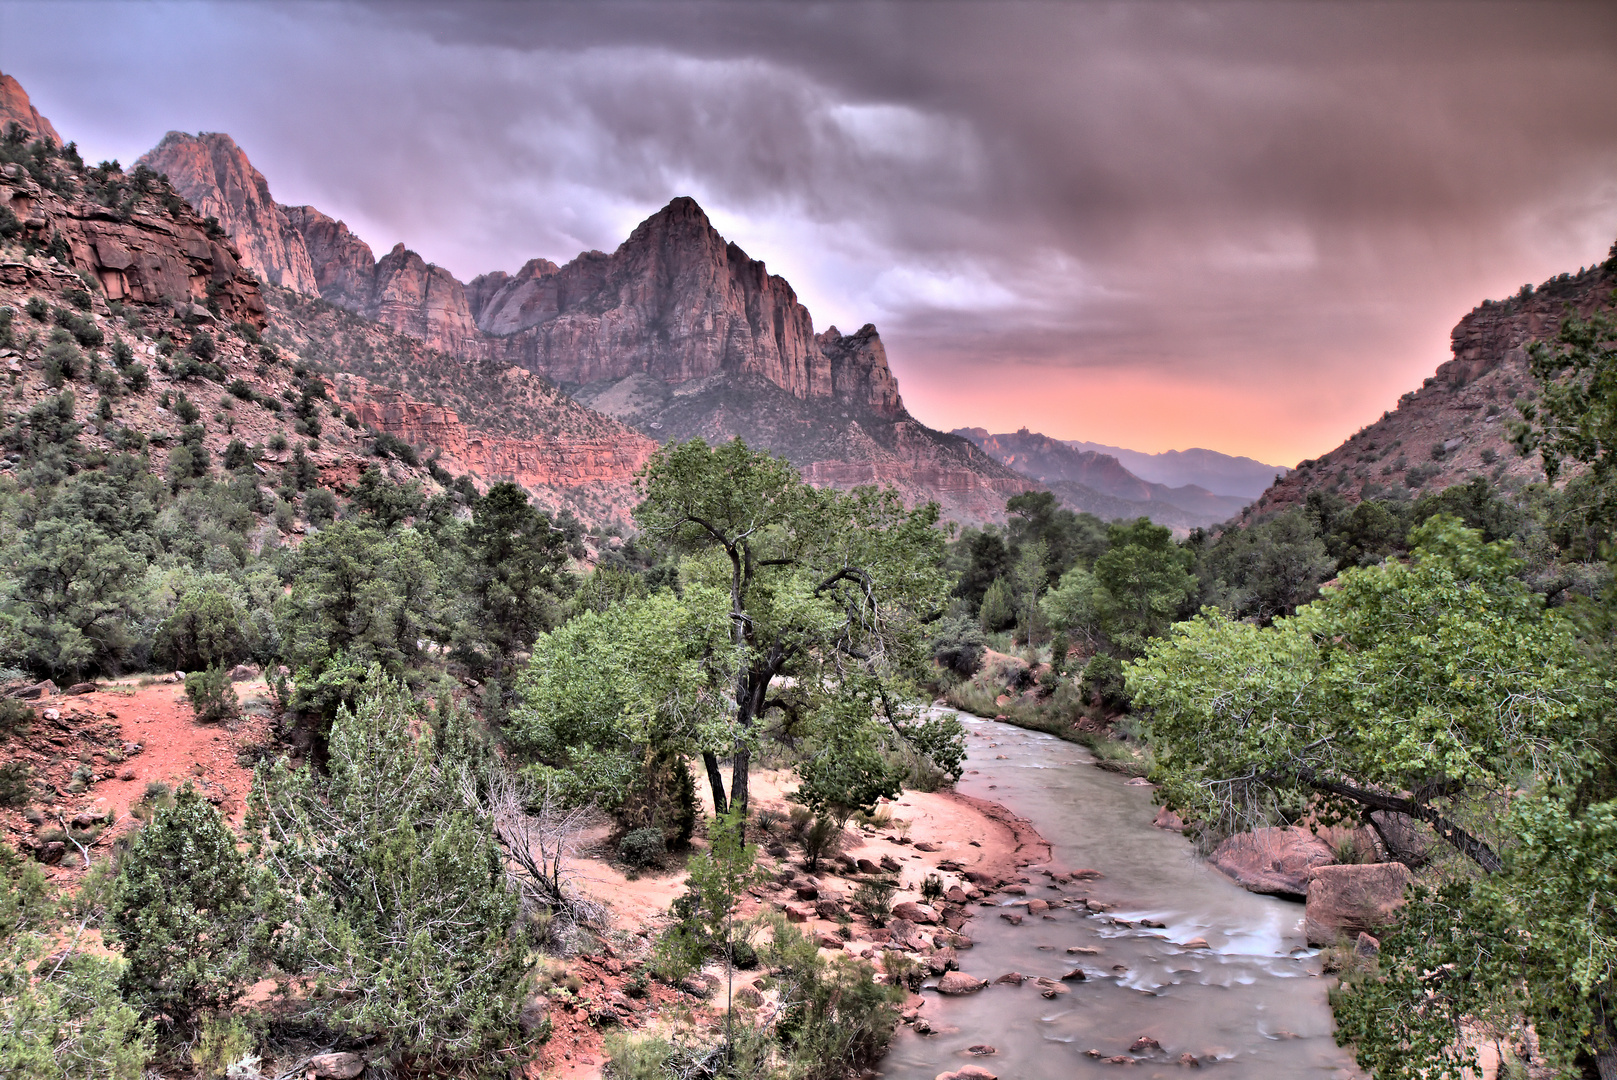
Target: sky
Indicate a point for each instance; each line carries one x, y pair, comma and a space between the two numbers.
1246, 227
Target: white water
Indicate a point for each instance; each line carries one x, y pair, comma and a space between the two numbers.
1252, 1005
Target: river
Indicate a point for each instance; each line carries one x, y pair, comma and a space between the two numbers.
1251, 1005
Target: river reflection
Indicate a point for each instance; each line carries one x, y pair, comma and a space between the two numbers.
1249, 1004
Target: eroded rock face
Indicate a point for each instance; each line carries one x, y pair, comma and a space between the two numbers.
149, 256
606, 463
15, 107
344, 267
1344, 901
214, 175
1274, 861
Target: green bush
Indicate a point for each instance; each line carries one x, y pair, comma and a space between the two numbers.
204, 631
959, 646
15, 718
63, 361
38, 308
14, 791
1102, 681
875, 896
196, 921
212, 697
642, 847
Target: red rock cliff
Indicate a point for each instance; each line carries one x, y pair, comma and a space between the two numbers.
678, 303
216, 178
16, 108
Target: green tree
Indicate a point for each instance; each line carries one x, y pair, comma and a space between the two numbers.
1424, 689
998, 610
205, 629
1268, 569
516, 556
610, 697
1145, 582
195, 920
844, 768
820, 583
61, 1017
405, 929
75, 595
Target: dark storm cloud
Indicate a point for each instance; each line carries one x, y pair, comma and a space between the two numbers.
1141, 223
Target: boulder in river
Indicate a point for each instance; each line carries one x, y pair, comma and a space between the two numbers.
967, 1072
1276, 861
1347, 900
958, 982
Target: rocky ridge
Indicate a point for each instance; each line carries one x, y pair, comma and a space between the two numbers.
678, 333
126, 262
1457, 424
214, 175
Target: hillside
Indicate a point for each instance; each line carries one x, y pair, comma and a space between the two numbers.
1457, 424
678, 333
120, 265
1099, 484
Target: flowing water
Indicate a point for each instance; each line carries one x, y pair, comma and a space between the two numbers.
1251, 1005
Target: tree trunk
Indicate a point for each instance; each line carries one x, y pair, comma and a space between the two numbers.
715, 779
738, 788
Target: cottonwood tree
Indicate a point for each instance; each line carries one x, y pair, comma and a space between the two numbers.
820, 584
1424, 689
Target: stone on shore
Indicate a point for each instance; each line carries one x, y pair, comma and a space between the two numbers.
1348, 900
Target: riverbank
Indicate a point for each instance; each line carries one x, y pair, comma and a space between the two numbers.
971, 845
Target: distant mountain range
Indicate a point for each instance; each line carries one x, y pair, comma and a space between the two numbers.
1219, 473
1098, 483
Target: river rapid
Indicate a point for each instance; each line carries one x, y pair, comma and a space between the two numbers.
1251, 1005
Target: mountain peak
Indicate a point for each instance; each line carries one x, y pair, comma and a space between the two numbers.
15, 107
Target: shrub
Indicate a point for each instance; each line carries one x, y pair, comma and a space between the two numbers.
240, 389
195, 919
999, 607
203, 347
1102, 681
820, 839
932, 889
642, 847
320, 506
212, 697
137, 377
38, 309
14, 776
63, 361
203, 631
875, 897
15, 718
959, 646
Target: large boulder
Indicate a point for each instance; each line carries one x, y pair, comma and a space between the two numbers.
1276, 861
924, 914
1344, 901
958, 982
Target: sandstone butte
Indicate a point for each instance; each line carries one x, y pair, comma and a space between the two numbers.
677, 307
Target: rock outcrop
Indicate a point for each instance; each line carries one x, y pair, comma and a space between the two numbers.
344, 268
1457, 424
216, 178
536, 463
1275, 861
678, 303
1344, 901
16, 108
139, 250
